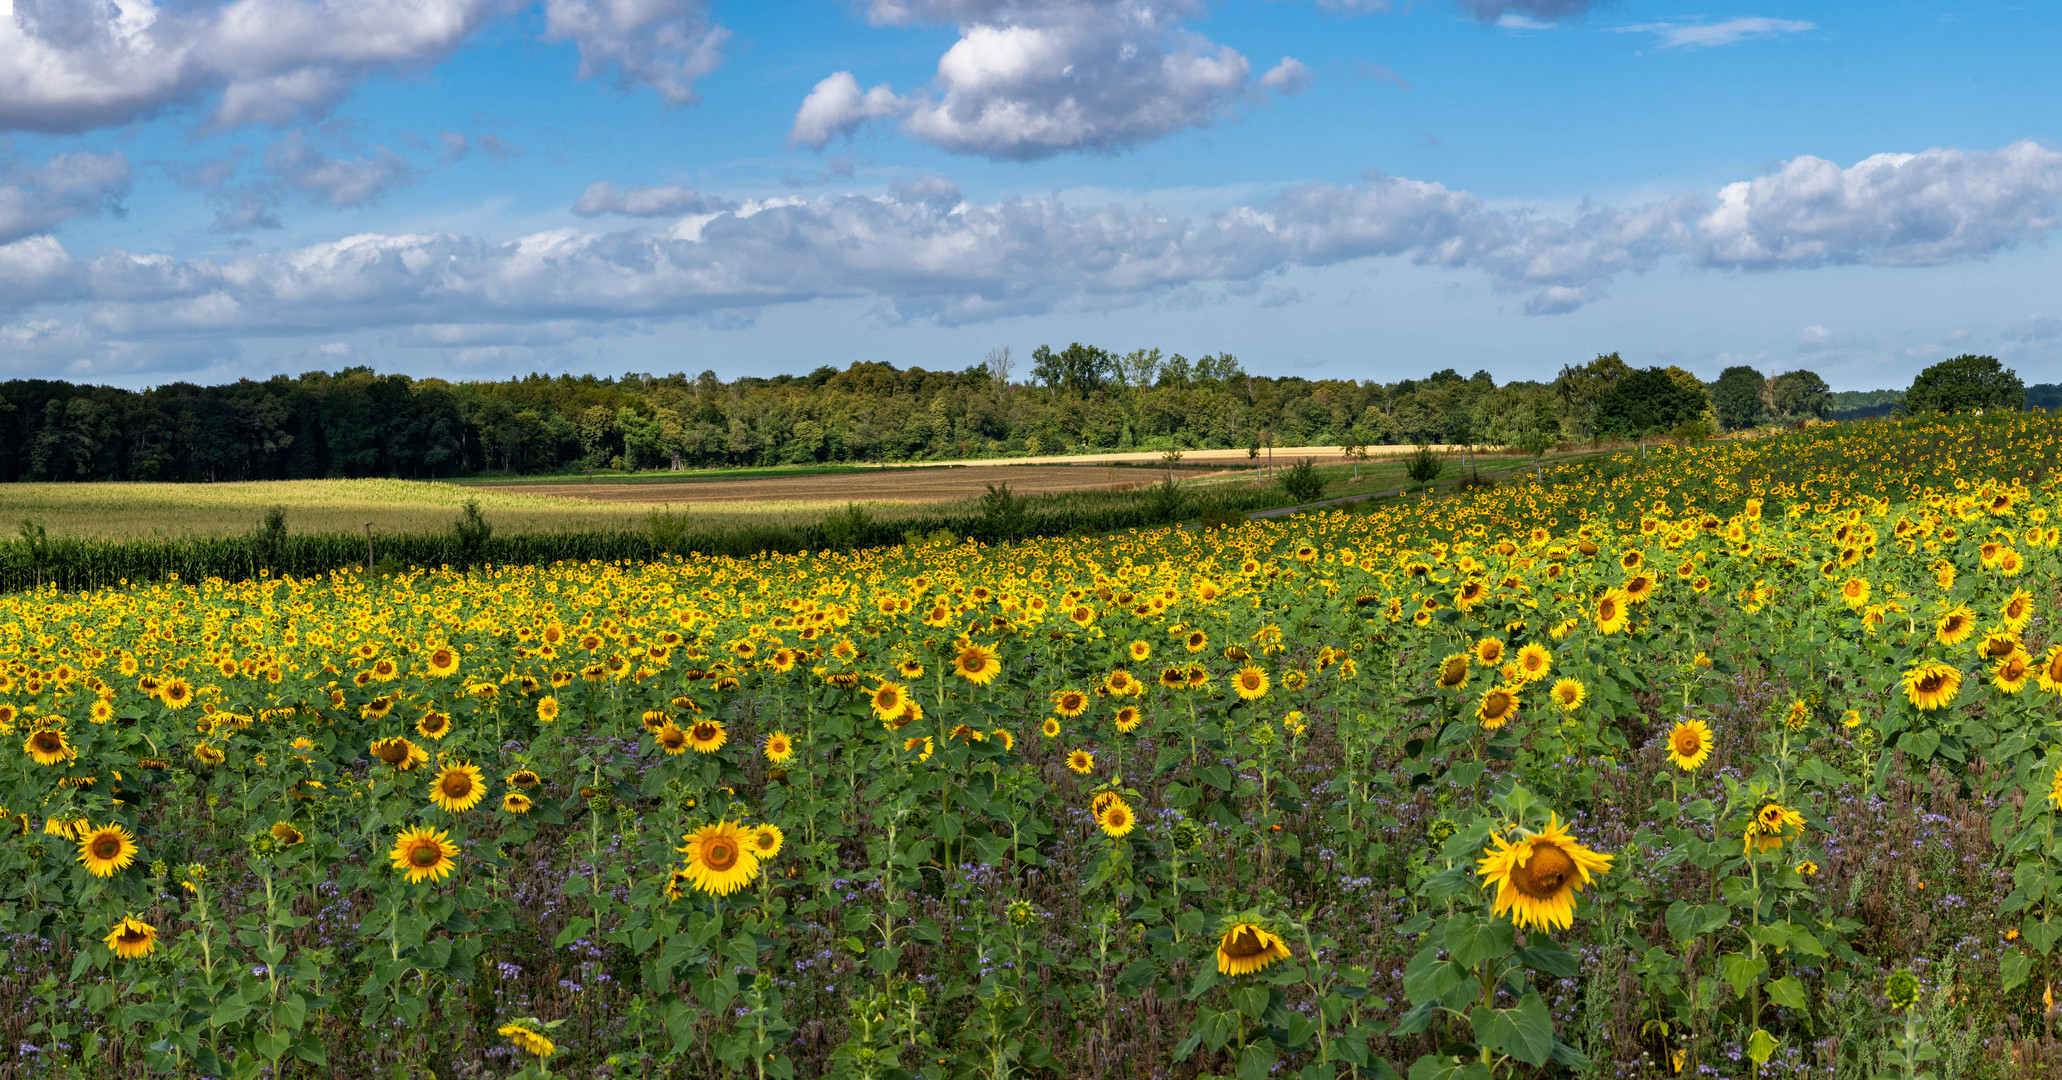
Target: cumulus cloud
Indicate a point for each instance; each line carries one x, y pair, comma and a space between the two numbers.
924, 251
663, 44
74, 65
1705, 35
1920, 209
68, 186
602, 197
1031, 80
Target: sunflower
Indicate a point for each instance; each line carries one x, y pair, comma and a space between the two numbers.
1932, 684
515, 802
399, 752
976, 664
921, 743
1081, 761
1611, 611
720, 859
433, 725
1537, 878
106, 850
1569, 694
671, 739
1955, 625
443, 660
1008, 741
779, 748
1069, 703
888, 699
1116, 818
547, 709
1119, 683
766, 841
1855, 591
132, 938
910, 669
524, 778
2047, 670
1250, 682
287, 833
1051, 727
1534, 661
527, 1039
1196, 641
1453, 671
706, 736
1140, 651
1128, 718
424, 854
457, 787
1770, 825
2017, 611
49, 747
1497, 707
1246, 948
1689, 745
176, 694
1489, 652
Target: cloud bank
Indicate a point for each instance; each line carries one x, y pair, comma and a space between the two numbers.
931, 254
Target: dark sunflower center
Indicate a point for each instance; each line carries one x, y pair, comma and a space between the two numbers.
1932, 682
1118, 817
48, 742
1954, 625
391, 754
1453, 672
456, 785
704, 732
107, 847
425, 855
1687, 744
1244, 944
1545, 873
720, 855
1608, 609
1498, 704
765, 843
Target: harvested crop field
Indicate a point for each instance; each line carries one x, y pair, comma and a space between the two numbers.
904, 485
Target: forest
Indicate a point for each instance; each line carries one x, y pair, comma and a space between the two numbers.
359, 423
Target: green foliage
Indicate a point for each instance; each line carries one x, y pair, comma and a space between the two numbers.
1737, 398
1302, 482
1423, 465
1964, 384
472, 530
1646, 402
1800, 394
667, 529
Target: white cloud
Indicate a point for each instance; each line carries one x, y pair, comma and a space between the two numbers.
1031, 80
76, 65
923, 251
663, 44
2037, 328
336, 181
602, 197
1705, 35
68, 186
1531, 13
1920, 209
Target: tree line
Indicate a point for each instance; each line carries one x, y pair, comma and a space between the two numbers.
358, 423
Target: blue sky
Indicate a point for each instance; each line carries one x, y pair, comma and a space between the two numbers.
479, 188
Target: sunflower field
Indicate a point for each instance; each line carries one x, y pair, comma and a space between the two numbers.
1721, 762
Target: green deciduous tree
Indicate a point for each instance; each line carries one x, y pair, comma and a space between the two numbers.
1737, 398
1965, 383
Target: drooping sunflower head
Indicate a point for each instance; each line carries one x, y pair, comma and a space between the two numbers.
526, 1037
1689, 744
1247, 947
287, 833
515, 802
399, 753
131, 938
458, 787
524, 778
1536, 877
1453, 671
107, 850
720, 860
1497, 707
424, 854
1932, 684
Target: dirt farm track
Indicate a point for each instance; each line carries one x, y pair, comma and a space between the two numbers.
903, 485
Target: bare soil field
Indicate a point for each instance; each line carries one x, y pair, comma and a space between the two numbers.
889, 485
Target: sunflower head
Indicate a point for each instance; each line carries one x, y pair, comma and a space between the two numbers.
1689, 744
1453, 671
706, 736
1537, 876
720, 858
131, 938
1497, 707
1250, 683
424, 854
107, 850
1248, 947
458, 787
1081, 761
